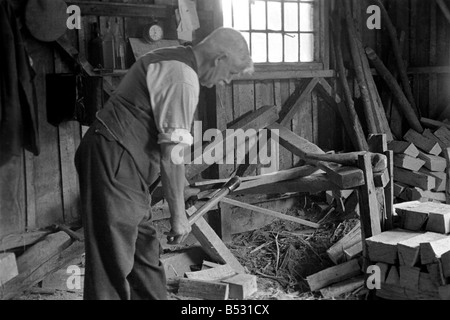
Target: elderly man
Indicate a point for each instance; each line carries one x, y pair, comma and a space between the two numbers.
129, 146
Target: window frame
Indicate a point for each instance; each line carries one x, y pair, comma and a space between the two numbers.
321, 50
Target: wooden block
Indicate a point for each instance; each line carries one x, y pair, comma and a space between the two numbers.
409, 277
176, 264
408, 250
384, 268
353, 251
444, 292
209, 265
212, 274
403, 147
436, 273
333, 275
383, 247
415, 179
426, 284
8, 267
441, 179
428, 134
417, 194
443, 134
342, 288
399, 188
409, 163
445, 262
336, 252
412, 215
431, 252
393, 276
241, 286
433, 163
203, 289
439, 221
423, 143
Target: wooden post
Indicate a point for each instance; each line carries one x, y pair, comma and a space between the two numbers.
397, 92
447, 187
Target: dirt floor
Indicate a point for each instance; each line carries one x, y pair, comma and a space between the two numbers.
281, 255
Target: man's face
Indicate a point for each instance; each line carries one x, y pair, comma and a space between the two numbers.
221, 72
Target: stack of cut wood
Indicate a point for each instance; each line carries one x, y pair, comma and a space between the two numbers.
420, 165
347, 276
414, 259
217, 282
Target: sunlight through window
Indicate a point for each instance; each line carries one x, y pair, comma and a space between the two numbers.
276, 30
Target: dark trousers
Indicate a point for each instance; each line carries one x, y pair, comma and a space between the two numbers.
122, 248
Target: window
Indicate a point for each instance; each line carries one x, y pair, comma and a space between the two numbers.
276, 30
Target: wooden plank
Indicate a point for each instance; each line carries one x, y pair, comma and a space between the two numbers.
431, 252
176, 264
285, 75
288, 113
403, 147
270, 212
8, 267
383, 247
242, 286
212, 244
408, 163
212, 274
414, 194
353, 251
368, 205
416, 179
342, 288
344, 177
333, 275
389, 193
47, 264
433, 163
18, 240
409, 277
423, 143
408, 250
203, 289
336, 251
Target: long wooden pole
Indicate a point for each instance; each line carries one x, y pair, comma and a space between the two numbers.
397, 92
398, 56
356, 124
371, 124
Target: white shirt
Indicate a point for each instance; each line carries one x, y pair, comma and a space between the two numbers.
174, 92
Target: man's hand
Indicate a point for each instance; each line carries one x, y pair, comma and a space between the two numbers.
180, 230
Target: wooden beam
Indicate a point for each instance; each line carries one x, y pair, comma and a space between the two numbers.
416, 179
23, 240
286, 75
447, 186
344, 177
368, 206
336, 252
270, 212
287, 115
444, 9
212, 274
212, 244
351, 121
396, 90
403, 147
409, 163
433, 163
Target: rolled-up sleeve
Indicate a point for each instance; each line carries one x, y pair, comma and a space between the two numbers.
174, 92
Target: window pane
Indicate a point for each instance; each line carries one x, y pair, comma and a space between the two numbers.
226, 7
241, 14
291, 47
275, 47
259, 47
306, 17
258, 15
274, 15
306, 47
290, 16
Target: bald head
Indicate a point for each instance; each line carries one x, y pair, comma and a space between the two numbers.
224, 45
